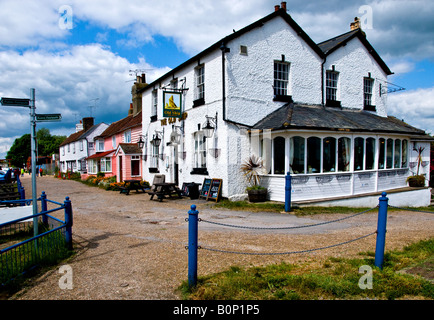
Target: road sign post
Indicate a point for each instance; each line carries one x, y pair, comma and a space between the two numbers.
30, 103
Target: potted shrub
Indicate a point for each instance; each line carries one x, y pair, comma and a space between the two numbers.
418, 180
252, 169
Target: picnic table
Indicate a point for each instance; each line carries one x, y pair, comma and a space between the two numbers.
164, 189
132, 185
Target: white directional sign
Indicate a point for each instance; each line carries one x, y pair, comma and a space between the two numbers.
49, 117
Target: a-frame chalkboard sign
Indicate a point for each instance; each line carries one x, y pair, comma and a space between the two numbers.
215, 190
205, 188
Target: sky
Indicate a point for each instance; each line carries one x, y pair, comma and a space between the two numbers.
82, 56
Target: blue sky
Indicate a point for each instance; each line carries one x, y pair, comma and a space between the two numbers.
89, 64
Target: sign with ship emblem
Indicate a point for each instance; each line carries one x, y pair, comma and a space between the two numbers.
172, 104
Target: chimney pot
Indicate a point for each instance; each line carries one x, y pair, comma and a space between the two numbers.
283, 5
276, 8
356, 24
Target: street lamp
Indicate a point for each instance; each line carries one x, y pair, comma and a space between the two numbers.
208, 129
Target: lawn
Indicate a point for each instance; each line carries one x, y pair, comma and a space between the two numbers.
407, 274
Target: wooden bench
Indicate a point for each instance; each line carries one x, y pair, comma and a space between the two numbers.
165, 189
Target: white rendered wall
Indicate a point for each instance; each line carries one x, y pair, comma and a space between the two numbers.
354, 62
250, 78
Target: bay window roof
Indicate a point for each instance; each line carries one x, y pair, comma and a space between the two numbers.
314, 117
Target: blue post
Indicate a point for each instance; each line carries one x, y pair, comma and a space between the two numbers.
381, 230
68, 223
192, 245
288, 192
44, 208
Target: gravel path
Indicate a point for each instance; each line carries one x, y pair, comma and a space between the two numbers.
129, 247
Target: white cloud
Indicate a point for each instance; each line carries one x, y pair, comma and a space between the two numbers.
416, 107
65, 82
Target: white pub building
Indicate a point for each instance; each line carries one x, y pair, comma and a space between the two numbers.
315, 110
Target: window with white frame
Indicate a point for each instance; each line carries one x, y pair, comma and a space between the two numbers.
81, 145
281, 78
331, 85
154, 155
127, 136
114, 142
200, 82
135, 165
368, 85
93, 166
199, 150
99, 145
106, 164
154, 103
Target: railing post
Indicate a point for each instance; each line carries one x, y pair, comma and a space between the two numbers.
288, 188
192, 245
44, 208
68, 223
381, 230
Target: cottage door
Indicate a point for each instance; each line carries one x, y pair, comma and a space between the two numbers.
121, 177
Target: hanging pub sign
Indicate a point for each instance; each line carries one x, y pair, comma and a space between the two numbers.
172, 104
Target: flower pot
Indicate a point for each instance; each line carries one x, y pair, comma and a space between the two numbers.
257, 195
416, 181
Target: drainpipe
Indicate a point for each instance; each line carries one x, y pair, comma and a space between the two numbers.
322, 80
224, 49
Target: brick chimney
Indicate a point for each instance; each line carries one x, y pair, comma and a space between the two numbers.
356, 24
276, 7
87, 123
283, 5
136, 93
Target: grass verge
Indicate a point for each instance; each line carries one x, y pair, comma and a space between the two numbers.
336, 278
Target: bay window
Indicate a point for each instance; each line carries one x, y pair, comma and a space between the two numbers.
279, 155
313, 155
329, 154
344, 154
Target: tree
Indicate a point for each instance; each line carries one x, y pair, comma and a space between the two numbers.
20, 151
21, 148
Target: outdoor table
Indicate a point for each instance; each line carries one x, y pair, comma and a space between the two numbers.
165, 189
132, 185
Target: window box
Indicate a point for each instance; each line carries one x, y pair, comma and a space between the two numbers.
333, 103
154, 170
282, 98
198, 102
153, 118
201, 171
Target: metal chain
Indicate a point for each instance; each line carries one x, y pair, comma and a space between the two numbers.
283, 228
289, 252
409, 209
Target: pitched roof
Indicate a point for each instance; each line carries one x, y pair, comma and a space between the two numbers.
313, 117
129, 148
221, 43
100, 155
333, 44
126, 123
72, 138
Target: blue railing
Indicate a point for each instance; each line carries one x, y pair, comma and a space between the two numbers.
53, 241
